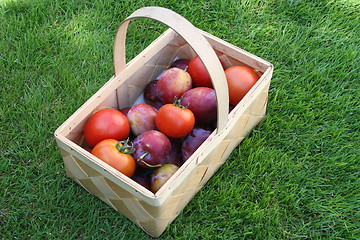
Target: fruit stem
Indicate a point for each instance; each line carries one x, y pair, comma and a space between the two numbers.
125, 147
178, 103
144, 155
149, 165
141, 159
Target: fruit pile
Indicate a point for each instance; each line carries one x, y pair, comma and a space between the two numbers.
149, 141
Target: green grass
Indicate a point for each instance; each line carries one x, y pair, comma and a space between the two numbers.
296, 176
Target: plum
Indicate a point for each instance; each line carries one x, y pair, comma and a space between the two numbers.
172, 84
181, 63
125, 110
202, 102
192, 141
175, 156
151, 149
151, 95
143, 177
144, 181
150, 92
142, 118
161, 175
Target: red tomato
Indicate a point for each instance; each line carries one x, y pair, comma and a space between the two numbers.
106, 124
116, 154
240, 80
175, 121
199, 75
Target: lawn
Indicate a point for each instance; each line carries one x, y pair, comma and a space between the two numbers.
296, 175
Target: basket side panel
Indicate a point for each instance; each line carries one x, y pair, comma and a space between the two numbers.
117, 197
244, 120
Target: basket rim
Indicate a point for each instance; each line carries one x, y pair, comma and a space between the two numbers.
139, 191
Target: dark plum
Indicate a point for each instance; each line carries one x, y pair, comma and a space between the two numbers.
142, 118
202, 102
231, 107
151, 93
192, 141
125, 110
157, 105
151, 149
143, 177
144, 181
175, 156
161, 176
180, 63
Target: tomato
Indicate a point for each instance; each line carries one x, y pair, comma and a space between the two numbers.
117, 154
240, 80
199, 75
106, 124
175, 120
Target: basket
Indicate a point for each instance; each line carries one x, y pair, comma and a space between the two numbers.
154, 212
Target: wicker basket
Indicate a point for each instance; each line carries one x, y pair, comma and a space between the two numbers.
154, 212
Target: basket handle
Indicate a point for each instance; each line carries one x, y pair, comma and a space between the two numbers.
194, 38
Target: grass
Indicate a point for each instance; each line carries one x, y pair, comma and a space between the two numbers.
296, 176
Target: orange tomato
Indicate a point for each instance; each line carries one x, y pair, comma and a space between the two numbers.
117, 155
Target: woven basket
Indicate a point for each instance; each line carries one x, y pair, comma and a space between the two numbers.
154, 212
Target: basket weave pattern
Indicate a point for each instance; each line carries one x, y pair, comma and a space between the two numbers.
157, 218
154, 212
